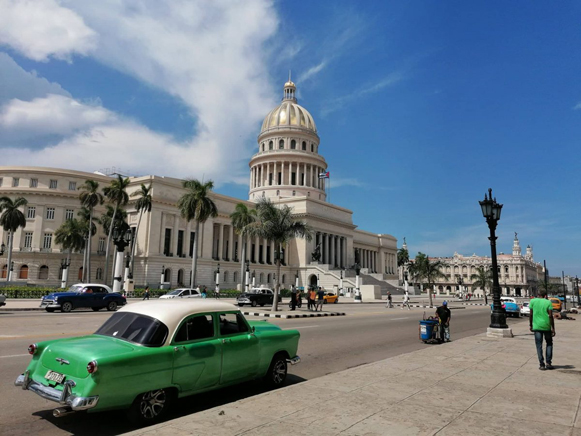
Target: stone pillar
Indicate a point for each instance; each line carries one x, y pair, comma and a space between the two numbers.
220, 241
332, 249
255, 249
264, 242
328, 248
230, 254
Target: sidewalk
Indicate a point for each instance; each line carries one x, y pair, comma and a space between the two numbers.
473, 386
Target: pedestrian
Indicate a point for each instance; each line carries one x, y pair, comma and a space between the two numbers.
542, 324
406, 300
293, 297
204, 292
217, 292
320, 299
388, 304
312, 296
146, 293
444, 315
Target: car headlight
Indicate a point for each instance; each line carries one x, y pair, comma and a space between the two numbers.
56, 298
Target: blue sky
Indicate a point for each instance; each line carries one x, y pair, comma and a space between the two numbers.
420, 106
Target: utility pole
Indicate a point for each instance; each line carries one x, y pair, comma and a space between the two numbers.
564, 290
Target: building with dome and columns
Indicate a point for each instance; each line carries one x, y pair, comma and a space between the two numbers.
286, 169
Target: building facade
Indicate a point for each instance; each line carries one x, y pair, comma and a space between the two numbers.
285, 169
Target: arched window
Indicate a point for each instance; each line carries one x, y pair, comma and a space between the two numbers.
261, 278
293, 144
43, 273
304, 145
4, 271
270, 145
80, 276
235, 277
225, 276
263, 147
283, 278
506, 269
23, 272
181, 276
312, 147
268, 278
167, 275
281, 144
99, 274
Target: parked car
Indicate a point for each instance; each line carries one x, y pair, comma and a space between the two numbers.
149, 353
93, 295
183, 293
329, 297
525, 310
2, 300
557, 303
256, 297
510, 306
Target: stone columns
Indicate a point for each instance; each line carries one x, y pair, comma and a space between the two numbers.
264, 242
272, 252
220, 242
230, 254
255, 249
332, 249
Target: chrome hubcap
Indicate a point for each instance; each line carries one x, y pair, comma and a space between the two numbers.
152, 403
279, 372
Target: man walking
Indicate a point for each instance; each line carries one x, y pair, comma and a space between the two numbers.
146, 293
541, 322
406, 301
444, 315
388, 303
320, 299
293, 297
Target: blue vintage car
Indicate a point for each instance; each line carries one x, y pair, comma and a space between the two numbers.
93, 295
510, 306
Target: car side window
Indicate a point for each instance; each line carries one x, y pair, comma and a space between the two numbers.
99, 290
196, 327
232, 323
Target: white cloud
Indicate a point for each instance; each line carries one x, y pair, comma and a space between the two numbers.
311, 72
210, 55
577, 106
51, 115
40, 29
15, 82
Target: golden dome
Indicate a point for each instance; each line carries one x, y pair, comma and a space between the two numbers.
289, 114
290, 83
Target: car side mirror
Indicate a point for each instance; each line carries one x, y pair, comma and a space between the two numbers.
253, 329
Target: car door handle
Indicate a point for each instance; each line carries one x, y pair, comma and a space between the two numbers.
179, 348
225, 341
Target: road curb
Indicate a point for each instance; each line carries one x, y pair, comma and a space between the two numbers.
20, 309
289, 316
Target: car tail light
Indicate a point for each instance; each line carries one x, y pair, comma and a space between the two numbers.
92, 367
32, 349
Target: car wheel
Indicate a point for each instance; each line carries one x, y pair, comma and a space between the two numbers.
112, 306
276, 375
254, 304
66, 306
96, 309
149, 407
50, 309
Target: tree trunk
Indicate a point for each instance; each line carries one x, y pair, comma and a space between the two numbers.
135, 243
10, 238
277, 283
84, 262
242, 270
195, 256
66, 272
485, 297
430, 295
111, 224
89, 243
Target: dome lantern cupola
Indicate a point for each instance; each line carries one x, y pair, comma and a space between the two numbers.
290, 90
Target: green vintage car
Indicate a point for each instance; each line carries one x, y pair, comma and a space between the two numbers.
149, 353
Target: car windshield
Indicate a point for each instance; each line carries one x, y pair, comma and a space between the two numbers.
133, 327
176, 292
76, 288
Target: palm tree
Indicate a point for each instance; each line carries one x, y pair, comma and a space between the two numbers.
90, 197
197, 205
482, 279
71, 236
241, 218
84, 215
11, 220
117, 195
276, 224
107, 218
143, 204
424, 269
403, 257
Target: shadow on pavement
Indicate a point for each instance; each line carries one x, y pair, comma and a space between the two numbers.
114, 423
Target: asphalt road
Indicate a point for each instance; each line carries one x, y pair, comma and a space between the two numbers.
331, 344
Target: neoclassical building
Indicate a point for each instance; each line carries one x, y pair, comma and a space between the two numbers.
286, 169
518, 274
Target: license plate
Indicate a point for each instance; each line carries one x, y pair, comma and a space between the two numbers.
55, 376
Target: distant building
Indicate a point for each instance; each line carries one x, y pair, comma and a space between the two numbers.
287, 168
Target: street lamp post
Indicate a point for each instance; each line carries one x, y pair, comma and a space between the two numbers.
247, 277
253, 278
2, 248
577, 291
357, 298
460, 281
162, 278
217, 290
65, 268
491, 211
121, 238
341, 282
297, 280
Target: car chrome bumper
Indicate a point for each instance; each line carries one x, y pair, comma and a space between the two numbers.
64, 397
50, 305
294, 360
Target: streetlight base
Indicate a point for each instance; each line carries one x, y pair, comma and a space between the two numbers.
499, 333
357, 298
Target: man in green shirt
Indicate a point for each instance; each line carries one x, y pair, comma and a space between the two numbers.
541, 322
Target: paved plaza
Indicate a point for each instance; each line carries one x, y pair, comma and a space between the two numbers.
472, 386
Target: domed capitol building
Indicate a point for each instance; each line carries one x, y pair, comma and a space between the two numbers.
285, 169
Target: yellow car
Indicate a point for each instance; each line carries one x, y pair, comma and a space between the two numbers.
329, 297
556, 304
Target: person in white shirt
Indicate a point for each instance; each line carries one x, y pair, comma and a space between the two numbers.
406, 301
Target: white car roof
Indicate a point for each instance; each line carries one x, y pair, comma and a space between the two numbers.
172, 311
93, 284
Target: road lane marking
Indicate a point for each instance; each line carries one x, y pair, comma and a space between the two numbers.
395, 319
301, 327
14, 355
48, 336
10, 336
